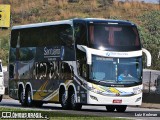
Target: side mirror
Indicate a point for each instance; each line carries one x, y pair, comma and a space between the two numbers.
149, 58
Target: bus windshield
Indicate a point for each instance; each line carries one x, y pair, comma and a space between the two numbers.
116, 70
113, 36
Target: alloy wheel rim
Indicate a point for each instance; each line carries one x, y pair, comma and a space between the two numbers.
64, 99
22, 100
29, 97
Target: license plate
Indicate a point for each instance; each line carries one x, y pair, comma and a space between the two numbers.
117, 101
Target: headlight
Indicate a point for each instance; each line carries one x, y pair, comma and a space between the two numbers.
137, 90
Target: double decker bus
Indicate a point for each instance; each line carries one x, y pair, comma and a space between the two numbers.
77, 62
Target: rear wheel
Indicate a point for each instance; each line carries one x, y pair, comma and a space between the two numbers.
110, 108
29, 100
64, 100
121, 108
22, 97
74, 105
1, 96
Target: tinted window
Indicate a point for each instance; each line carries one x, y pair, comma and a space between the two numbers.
103, 35
14, 37
80, 33
43, 36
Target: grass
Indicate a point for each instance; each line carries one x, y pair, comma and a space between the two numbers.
52, 115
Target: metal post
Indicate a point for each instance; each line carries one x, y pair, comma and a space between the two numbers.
150, 82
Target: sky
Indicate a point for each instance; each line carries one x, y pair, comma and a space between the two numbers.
146, 1
151, 1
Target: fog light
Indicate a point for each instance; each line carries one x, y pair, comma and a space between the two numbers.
93, 97
138, 99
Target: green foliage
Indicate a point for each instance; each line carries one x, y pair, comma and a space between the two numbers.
4, 48
34, 11
151, 27
154, 50
150, 35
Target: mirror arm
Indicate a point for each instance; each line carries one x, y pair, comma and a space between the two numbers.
149, 58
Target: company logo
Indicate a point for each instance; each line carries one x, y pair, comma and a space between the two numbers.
51, 51
108, 53
116, 54
54, 53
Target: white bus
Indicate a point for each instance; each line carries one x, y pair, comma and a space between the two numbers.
2, 88
77, 62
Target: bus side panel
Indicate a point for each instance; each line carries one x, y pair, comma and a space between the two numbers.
81, 93
13, 89
46, 90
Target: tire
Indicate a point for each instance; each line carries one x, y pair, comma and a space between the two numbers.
121, 108
63, 100
29, 100
110, 108
1, 96
22, 99
73, 104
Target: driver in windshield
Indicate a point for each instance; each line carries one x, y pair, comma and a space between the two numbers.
123, 75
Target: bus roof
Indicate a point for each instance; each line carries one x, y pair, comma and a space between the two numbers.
42, 24
70, 21
102, 20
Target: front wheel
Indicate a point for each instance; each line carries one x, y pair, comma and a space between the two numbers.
121, 108
74, 105
110, 108
1, 96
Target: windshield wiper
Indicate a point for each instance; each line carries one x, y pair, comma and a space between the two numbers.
105, 81
135, 82
129, 81
101, 81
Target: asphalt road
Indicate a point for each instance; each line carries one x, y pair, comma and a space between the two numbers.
131, 112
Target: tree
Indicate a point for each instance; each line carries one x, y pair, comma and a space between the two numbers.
150, 34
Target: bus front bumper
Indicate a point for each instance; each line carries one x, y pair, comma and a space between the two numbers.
98, 99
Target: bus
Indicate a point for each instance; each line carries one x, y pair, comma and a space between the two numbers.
2, 88
77, 62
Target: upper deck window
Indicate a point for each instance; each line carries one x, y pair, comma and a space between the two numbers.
103, 35
43, 36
